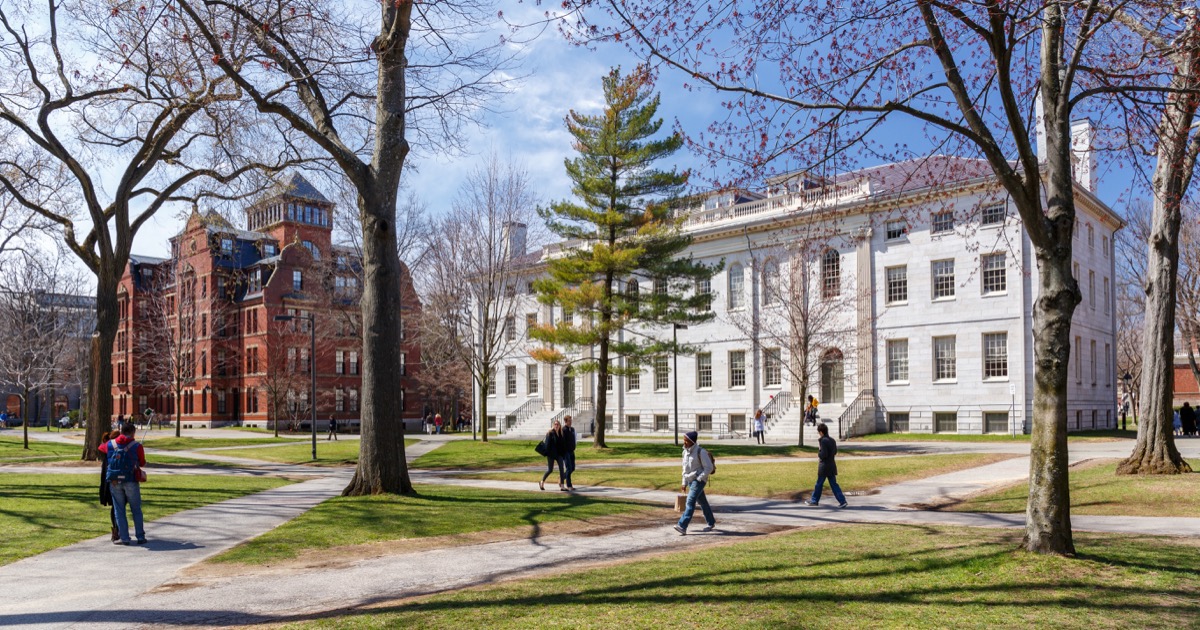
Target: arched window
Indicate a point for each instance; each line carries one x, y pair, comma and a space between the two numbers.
833, 376
770, 283
632, 290
737, 287
831, 274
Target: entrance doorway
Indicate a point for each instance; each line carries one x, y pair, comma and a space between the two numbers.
833, 377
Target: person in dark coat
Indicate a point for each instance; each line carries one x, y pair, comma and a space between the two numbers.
1188, 416
568, 450
554, 451
826, 469
105, 490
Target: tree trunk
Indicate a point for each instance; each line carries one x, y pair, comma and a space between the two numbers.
601, 391
482, 419
100, 376
26, 414
382, 467
1155, 452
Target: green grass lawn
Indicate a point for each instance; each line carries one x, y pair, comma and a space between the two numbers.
172, 443
473, 455
851, 576
1097, 490
434, 511
329, 453
12, 451
1082, 436
780, 480
42, 512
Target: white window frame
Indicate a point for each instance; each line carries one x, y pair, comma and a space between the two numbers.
895, 283
941, 279
737, 369
510, 380
662, 375
533, 382
993, 214
772, 367
895, 230
704, 380
945, 359
993, 369
942, 222
897, 361
994, 277
736, 284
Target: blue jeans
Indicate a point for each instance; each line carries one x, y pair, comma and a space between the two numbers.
696, 495
128, 492
833, 485
569, 461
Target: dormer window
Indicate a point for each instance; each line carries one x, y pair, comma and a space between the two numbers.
312, 249
227, 245
269, 249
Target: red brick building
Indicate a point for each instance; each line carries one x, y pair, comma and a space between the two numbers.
201, 326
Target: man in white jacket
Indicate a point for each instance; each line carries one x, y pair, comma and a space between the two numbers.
697, 466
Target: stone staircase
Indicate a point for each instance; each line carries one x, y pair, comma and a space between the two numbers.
786, 426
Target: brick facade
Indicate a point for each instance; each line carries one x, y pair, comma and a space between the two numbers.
204, 320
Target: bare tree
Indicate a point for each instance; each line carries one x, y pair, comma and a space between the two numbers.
95, 92
166, 339
36, 327
362, 94
475, 271
808, 309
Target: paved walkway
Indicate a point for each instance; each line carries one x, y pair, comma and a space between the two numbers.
68, 587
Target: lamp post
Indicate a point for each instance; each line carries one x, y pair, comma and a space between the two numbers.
312, 370
675, 328
1128, 378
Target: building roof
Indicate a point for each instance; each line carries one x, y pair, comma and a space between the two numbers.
300, 188
918, 173
139, 259
217, 224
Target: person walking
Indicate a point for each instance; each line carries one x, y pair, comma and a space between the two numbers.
1187, 416
697, 466
437, 423
105, 491
760, 426
568, 450
1177, 424
826, 469
332, 429
554, 446
126, 458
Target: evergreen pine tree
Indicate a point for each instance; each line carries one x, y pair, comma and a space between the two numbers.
620, 267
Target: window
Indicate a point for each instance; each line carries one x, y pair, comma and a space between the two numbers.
491, 388
1079, 419
995, 355
737, 287
633, 423
633, 382
1092, 290
491, 423
993, 214
897, 284
568, 317
704, 422
942, 222
995, 273
1106, 298
1104, 245
661, 374
737, 368
945, 363
221, 401
897, 360
305, 363
1075, 271
772, 367
403, 364
660, 287
510, 380
291, 361
704, 370
737, 422
1091, 237
1093, 355
831, 274
1094, 414
227, 245
632, 293
1079, 360
898, 422
313, 250
896, 229
353, 363
945, 422
942, 273
510, 328
339, 360
770, 283
608, 382
532, 382
704, 287
530, 324
353, 400
339, 400
995, 422
661, 422
1107, 365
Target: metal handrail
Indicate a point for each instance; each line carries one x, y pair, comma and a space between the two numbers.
848, 421
581, 404
531, 406
775, 409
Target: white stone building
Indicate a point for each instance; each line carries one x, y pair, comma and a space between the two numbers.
927, 281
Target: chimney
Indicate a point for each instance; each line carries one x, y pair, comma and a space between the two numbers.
514, 238
1083, 160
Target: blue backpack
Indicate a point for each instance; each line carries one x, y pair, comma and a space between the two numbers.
121, 461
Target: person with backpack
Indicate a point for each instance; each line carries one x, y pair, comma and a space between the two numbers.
105, 491
826, 469
698, 466
125, 458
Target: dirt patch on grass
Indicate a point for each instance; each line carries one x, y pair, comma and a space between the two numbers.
335, 557
51, 463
